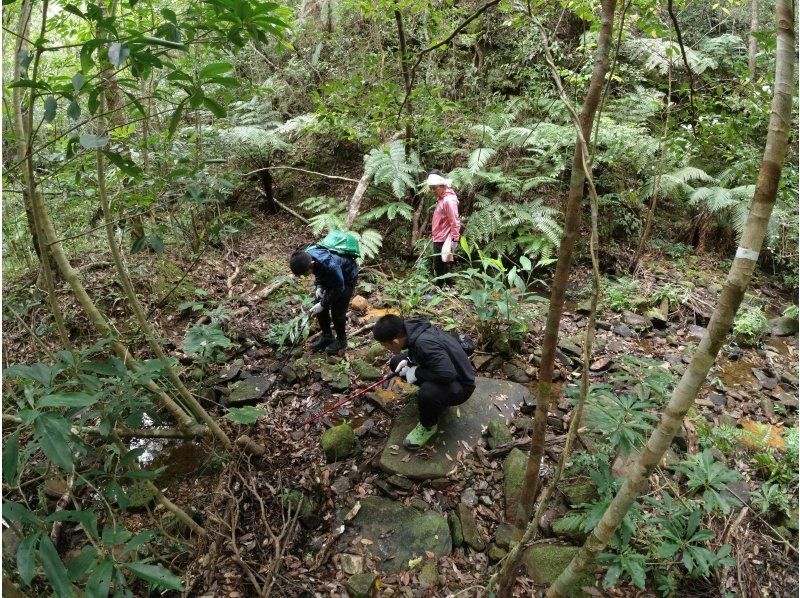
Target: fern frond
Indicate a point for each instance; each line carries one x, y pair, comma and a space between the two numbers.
479, 158
389, 166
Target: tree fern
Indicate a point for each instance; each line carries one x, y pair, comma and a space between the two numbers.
728, 206
656, 54
250, 145
675, 184
389, 166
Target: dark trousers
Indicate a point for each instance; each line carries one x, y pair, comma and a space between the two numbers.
336, 312
433, 398
440, 267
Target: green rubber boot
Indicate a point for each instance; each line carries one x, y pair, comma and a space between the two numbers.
419, 436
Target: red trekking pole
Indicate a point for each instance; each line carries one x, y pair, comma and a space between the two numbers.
350, 398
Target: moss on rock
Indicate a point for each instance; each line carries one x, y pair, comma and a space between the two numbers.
338, 442
513, 478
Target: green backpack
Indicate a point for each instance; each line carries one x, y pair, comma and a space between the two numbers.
342, 243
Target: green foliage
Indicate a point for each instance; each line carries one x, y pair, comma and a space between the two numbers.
208, 342
709, 477
770, 497
724, 437
390, 166
330, 215
621, 294
625, 418
499, 296
245, 415
750, 325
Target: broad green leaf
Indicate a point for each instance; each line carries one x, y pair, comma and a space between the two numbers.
115, 534
196, 100
54, 569
131, 456
118, 53
17, 513
53, 431
86, 518
157, 575
74, 10
143, 474
175, 119
78, 566
124, 163
158, 41
87, 62
26, 563
245, 415
169, 15
74, 110
138, 540
93, 141
11, 458
69, 399
50, 107
215, 68
214, 107
99, 582
78, 81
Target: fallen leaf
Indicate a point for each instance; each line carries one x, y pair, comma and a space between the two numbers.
353, 512
367, 541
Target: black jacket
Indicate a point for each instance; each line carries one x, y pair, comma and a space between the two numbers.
437, 354
334, 273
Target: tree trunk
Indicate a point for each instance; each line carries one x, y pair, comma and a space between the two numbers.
355, 201
752, 46
572, 221
265, 178
741, 271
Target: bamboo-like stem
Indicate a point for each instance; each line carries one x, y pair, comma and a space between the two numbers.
138, 310
504, 579
638, 473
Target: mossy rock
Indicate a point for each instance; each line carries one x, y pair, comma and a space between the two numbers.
361, 585
375, 352
499, 434
506, 535
564, 527
309, 509
496, 553
513, 477
140, 495
364, 370
545, 562
455, 529
428, 577
338, 442
336, 379
579, 491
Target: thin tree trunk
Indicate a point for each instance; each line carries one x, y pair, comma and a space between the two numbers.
648, 223
355, 201
136, 306
752, 46
572, 221
506, 576
741, 271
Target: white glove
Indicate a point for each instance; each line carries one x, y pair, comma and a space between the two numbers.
400, 367
447, 250
317, 308
409, 373
319, 293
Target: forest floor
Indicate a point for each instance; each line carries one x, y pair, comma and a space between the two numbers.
248, 502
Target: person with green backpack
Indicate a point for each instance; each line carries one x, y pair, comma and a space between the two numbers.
333, 263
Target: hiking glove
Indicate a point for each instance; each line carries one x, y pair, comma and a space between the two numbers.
447, 250
396, 361
317, 308
409, 374
319, 293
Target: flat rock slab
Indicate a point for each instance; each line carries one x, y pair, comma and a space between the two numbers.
249, 391
492, 399
398, 533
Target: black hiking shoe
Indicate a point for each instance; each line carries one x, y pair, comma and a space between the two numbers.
336, 347
321, 343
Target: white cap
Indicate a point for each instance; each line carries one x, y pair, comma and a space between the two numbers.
435, 179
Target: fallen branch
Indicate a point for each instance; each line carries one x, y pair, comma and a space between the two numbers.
251, 446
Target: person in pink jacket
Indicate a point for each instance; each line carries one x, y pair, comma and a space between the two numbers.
445, 226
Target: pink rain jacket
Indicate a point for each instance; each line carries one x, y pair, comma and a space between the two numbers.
445, 221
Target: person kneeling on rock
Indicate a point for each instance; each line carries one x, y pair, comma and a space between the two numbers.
435, 361
333, 263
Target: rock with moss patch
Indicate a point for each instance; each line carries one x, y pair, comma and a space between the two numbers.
783, 326
361, 585
375, 352
567, 527
338, 442
140, 495
506, 535
496, 553
249, 391
428, 576
365, 371
469, 528
292, 499
513, 478
545, 562
336, 379
455, 529
499, 434
579, 491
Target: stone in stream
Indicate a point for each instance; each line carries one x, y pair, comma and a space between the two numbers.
469, 527
246, 392
460, 429
397, 533
513, 477
783, 326
545, 562
499, 434
365, 371
338, 442
361, 585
